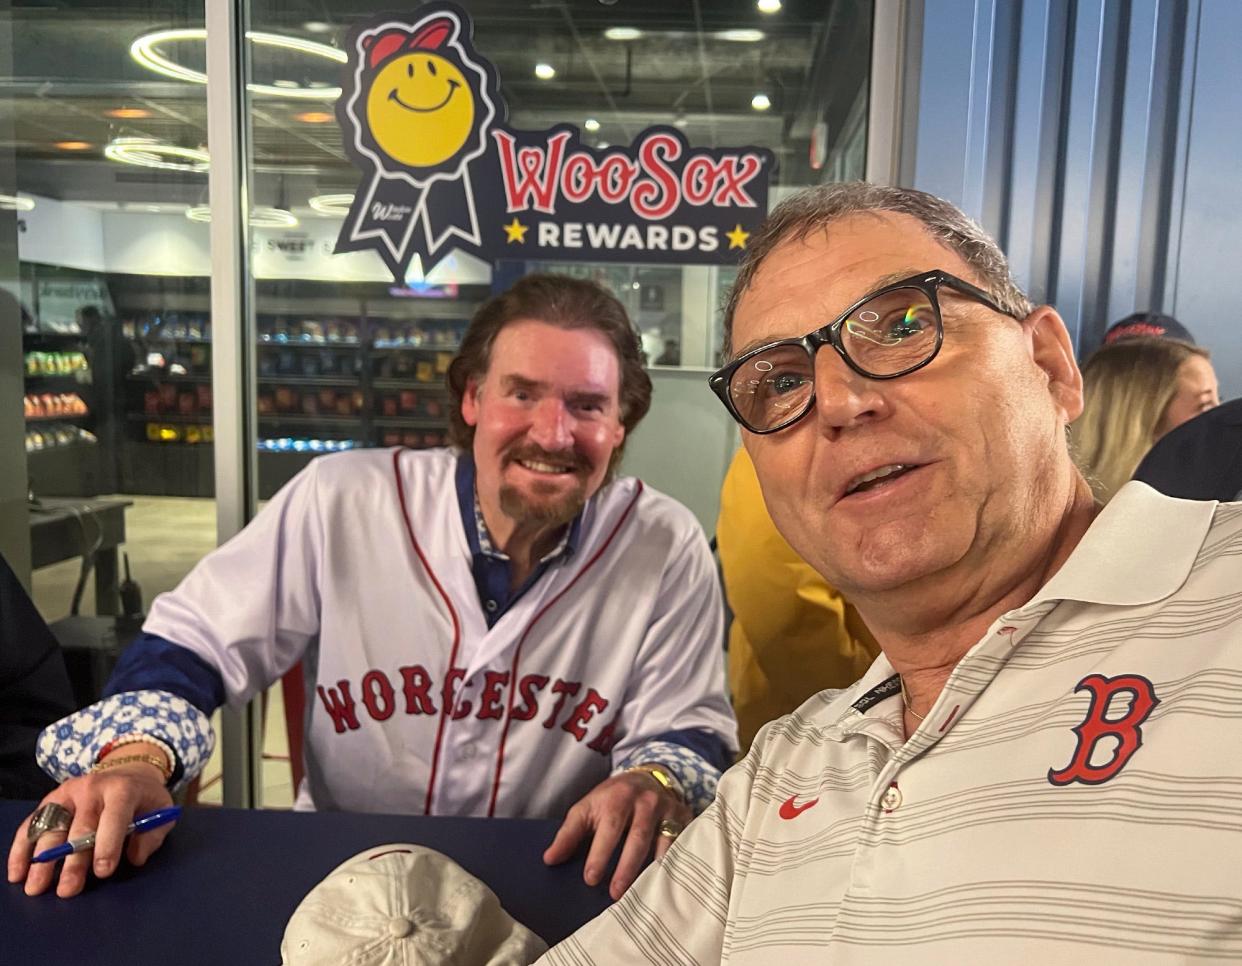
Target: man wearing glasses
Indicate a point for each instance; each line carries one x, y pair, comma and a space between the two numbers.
1041, 765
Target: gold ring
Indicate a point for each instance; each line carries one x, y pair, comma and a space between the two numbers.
671, 828
48, 817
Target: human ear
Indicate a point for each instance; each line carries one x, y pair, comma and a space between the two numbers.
470, 402
1053, 352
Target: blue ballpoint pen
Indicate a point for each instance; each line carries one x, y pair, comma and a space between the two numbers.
142, 823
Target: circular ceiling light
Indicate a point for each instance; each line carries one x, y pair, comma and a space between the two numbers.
261, 216
591, 124
769, 6
335, 205
129, 113
623, 33
317, 27
545, 71
149, 153
741, 36
761, 102
74, 145
15, 203
313, 117
146, 51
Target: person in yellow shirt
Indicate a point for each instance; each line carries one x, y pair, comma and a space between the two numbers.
792, 634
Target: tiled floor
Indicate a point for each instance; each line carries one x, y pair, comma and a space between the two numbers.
165, 537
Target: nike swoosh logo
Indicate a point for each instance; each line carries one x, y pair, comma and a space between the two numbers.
791, 809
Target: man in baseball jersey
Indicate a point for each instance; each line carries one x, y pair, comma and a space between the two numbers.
499, 629
1039, 767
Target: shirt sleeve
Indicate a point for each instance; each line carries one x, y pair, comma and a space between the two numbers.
678, 681
250, 608
678, 909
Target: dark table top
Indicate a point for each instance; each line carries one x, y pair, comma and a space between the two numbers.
226, 881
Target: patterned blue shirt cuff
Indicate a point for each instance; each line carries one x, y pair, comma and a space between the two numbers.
697, 775
70, 747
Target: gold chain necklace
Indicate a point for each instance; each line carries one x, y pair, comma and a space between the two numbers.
905, 699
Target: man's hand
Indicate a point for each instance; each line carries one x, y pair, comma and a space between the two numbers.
630, 799
104, 803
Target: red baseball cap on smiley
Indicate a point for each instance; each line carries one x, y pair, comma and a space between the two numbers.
430, 36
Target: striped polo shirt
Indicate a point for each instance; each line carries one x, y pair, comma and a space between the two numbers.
1074, 795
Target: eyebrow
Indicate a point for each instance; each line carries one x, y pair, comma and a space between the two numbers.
882, 282
579, 397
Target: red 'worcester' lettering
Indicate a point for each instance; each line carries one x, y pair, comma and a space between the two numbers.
583, 713
378, 695
340, 706
563, 690
416, 685
490, 698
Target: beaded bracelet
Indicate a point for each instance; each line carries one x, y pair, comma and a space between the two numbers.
155, 760
135, 738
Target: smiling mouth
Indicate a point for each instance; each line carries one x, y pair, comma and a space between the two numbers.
878, 477
452, 89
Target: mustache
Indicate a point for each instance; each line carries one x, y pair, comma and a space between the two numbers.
529, 451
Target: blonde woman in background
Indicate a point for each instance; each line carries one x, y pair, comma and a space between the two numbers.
1135, 391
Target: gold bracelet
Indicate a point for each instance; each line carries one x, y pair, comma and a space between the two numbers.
155, 760
663, 777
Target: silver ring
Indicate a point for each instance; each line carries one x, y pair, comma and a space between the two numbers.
48, 817
671, 828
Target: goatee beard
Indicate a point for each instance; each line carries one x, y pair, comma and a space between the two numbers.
553, 512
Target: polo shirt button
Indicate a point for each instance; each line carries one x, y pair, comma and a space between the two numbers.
891, 799
491, 606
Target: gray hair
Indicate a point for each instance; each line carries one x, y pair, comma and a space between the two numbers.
808, 211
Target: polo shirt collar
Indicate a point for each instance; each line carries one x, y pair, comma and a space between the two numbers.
1140, 549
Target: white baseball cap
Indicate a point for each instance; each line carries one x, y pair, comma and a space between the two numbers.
404, 904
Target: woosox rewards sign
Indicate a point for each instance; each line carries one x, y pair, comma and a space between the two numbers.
424, 120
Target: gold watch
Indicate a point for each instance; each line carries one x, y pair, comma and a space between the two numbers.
666, 779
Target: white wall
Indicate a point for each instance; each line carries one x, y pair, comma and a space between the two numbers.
685, 443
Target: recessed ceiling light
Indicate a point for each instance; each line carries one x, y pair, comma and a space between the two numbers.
334, 205
317, 27
623, 33
74, 145
680, 121
603, 144
769, 6
761, 102
260, 216
313, 117
741, 36
148, 153
15, 203
545, 71
591, 124
146, 51
129, 113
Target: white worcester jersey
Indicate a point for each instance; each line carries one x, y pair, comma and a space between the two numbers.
360, 566
1074, 796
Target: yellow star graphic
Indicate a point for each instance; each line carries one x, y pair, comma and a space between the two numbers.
737, 237
515, 231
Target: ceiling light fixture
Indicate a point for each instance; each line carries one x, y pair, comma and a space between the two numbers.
545, 71
129, 113
591, 124
149, 153
761, 102
74, 145
623, 33
741, 36
769, 6
146, 51
313, 117
15, 203
261, 216
317, 27
336, 206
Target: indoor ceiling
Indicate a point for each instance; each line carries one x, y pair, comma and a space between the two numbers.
69, 65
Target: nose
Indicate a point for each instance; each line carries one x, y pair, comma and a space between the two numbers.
844, 399
551, 426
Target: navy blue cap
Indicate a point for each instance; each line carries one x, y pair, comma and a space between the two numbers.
1148, 325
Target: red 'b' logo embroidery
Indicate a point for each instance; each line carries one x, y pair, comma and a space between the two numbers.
1125, 730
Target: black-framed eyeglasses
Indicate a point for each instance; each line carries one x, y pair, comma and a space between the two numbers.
888, 333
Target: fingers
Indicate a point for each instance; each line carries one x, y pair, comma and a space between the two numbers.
571, 832
73, 871
680, 814
610, 822
637, 845
19, 853
141, 847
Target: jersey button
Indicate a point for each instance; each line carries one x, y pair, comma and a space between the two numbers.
890, 801
468, 751
491, 606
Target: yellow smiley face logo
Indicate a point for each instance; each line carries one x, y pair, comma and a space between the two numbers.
420, 109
